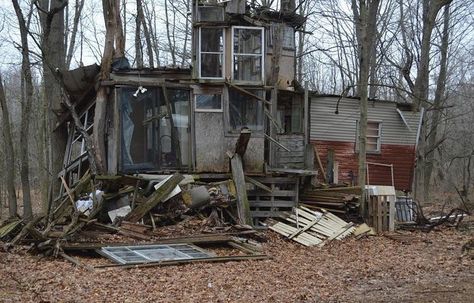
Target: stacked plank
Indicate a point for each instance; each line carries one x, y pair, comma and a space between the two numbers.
342, 200
312, 228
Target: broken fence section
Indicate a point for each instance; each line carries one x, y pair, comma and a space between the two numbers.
312, 228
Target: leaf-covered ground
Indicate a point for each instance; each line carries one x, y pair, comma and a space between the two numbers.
430, 268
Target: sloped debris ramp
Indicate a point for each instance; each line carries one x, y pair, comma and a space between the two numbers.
312, 228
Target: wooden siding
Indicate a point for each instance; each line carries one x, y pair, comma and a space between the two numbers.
326, 125
401, 156
293, 158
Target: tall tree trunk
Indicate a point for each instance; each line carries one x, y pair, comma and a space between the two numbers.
366, 24
113, 34
432, 140
52, 44
420, 90
138, 38
26, 102
77, 16
9, 154
169, 35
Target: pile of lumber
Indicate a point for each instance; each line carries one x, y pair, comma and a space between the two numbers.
132, 206
312, 228
340, 200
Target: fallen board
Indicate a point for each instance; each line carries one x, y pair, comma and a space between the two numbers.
312, 228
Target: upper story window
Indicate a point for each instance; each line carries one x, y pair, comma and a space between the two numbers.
211, 53
287, 36
247, 53
210, 13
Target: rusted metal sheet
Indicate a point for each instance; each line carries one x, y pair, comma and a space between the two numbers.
401, 156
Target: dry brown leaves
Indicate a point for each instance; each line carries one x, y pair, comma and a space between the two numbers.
376, 269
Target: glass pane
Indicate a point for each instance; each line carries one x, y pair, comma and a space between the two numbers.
248, 68
173, 145
211, 13
138, 112
211, 65
245, 111
212, 40
247, 41
208, 102
288, 37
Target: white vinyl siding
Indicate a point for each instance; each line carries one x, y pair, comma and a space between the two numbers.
326, 125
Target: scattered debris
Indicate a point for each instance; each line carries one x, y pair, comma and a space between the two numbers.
340, 200
311, 228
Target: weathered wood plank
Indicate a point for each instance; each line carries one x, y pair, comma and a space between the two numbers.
238, 176
162, 192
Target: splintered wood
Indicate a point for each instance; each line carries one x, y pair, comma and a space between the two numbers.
312, 228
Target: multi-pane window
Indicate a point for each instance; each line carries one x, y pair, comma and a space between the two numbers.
245, 111
247, 53
374, 135
211, 53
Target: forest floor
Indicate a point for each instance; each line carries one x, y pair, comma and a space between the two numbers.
430, 267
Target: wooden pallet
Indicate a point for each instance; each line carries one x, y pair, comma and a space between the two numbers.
381, 208
312, 228
279, 198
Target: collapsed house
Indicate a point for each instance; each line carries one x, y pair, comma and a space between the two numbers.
242, 85
238, 114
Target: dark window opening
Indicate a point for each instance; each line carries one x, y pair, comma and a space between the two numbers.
245, 111
152, 139
211, 52
290, 114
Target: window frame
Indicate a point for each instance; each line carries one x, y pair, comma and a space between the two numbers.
212, 53
233, 54
379, 138
229, 130
208, 110
204, 7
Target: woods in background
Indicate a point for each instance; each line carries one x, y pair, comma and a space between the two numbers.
419, 52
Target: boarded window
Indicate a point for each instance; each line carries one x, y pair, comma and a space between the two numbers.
247, 59
245, 111
209, 103
374, 136
211, 53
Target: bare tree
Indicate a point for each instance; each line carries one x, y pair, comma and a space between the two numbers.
9, 154
26, 102
365, 15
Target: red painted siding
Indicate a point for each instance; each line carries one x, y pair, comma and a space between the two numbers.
401, 156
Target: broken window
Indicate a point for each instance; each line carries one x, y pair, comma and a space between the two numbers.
208, 102
211, 13
374, 135
245, 111
211, 52
247, 53
290, 114
153, 139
